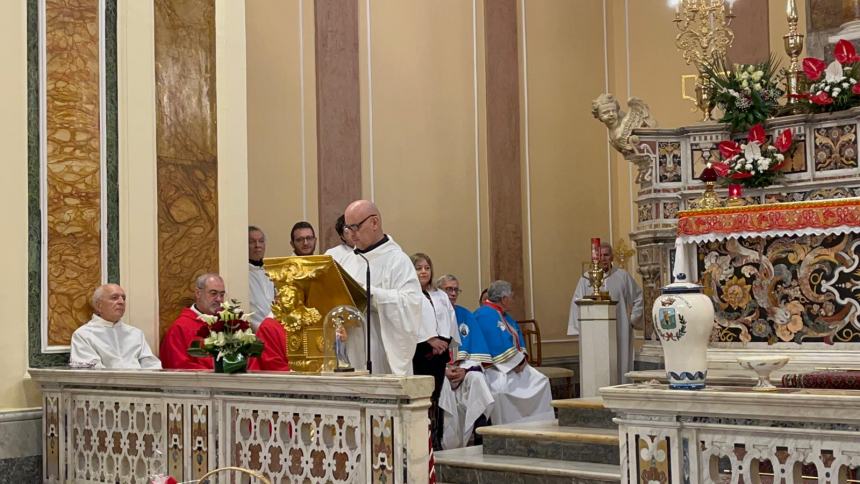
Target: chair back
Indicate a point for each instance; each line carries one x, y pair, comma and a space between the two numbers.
531, 332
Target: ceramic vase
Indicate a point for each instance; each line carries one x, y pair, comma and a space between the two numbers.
683, 318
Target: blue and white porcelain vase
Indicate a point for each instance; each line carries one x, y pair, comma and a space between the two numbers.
683, 318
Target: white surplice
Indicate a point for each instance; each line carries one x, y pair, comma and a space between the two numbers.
102, 344
462, 407
520, 397
446, 318
338, 252
262, 291
396, 309
622, 288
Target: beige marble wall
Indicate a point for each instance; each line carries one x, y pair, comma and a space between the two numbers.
187, 150
73, 184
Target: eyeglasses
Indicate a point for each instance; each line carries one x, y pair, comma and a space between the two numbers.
302, 240
355, 227
452, 290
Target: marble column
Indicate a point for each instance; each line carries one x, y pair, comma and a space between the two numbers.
598, 348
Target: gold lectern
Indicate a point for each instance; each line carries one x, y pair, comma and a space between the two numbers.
306, 289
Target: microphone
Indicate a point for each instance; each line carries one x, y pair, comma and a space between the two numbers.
358, 252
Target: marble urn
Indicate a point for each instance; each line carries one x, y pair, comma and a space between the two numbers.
683, 317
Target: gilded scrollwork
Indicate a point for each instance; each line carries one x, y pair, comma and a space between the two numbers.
306, 288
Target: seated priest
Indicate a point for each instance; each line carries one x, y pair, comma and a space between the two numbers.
450, 285
208, 296
466, 399
105, 341
521, 393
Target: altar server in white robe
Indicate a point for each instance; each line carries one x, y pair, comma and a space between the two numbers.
105, 341
261, 287
396, 298
343, 249
623, 289
521, 393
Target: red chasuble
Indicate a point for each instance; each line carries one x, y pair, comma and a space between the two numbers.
274, 338
174, 346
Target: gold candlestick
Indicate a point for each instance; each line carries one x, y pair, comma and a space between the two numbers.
704, 35
793, 47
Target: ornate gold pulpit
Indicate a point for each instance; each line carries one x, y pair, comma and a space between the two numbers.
306, 289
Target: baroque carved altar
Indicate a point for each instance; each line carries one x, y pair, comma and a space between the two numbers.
824, 167
124, 426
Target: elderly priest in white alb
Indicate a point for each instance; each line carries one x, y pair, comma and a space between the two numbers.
396, 307
107, 342
623, 289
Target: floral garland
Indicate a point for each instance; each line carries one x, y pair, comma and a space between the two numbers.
756, 163
834, 86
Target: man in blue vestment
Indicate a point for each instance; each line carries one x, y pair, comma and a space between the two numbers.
521, 393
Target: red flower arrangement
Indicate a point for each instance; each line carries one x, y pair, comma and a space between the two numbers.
756, 163
228, 337
834, 86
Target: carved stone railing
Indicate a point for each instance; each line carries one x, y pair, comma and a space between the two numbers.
824, 166
727, 434
123, 426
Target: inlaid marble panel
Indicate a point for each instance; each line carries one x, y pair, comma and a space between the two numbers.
382, 448
786, 290
72, 180
175, 441
186, 149
52, 440
669, 162
654, 456
835, 147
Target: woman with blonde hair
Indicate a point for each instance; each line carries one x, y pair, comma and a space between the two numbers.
432, 355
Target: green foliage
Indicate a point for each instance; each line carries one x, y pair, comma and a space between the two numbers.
748, 94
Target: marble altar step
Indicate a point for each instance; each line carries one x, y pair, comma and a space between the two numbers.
471, 466
584, 412
549, 440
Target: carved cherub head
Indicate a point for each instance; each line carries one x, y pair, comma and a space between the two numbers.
607, 110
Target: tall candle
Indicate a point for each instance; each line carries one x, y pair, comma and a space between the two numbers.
595, 249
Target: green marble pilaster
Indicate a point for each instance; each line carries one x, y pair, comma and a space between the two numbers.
38, 359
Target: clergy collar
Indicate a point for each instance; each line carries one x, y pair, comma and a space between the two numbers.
102, 321
383, 240
495, 306
256, 263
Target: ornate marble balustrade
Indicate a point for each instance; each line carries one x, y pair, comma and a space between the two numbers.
732, 434
122, 426
824, 166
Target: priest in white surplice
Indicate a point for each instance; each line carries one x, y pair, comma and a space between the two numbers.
622, 288
261, 288
521, 393
107, 342
396, 298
